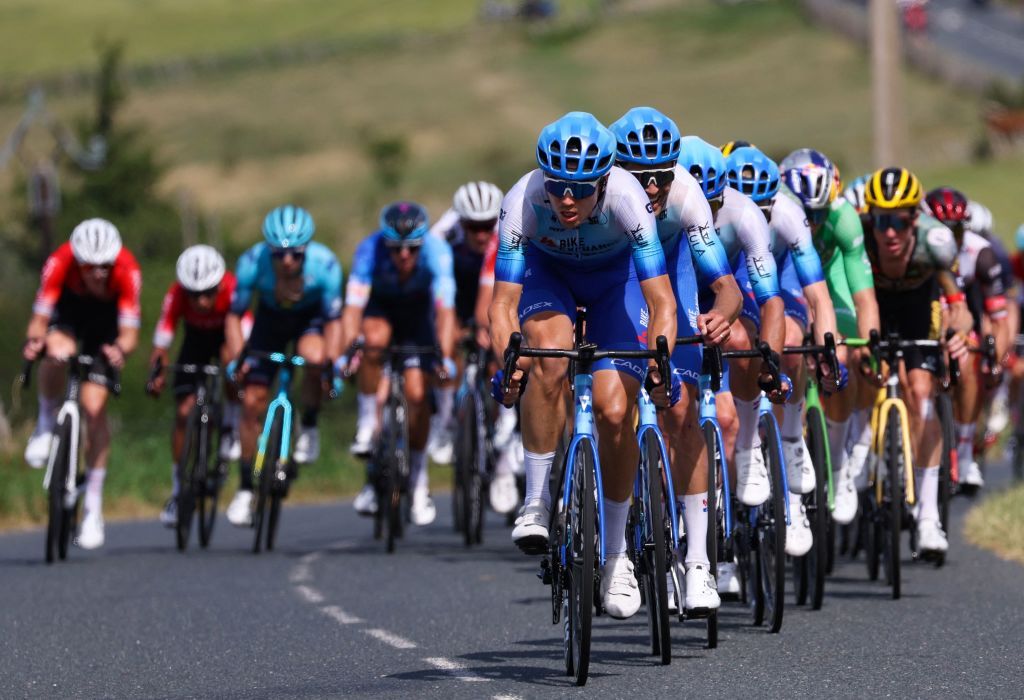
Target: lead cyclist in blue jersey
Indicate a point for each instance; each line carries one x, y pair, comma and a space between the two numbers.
574, 232
297, 283
803, 289
401, 292
648, 147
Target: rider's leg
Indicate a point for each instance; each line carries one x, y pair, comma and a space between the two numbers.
920, 386
255, 398
376, 331
967, 400
419, 426
838, 409
688, 457
311, 348
752, 486
799, 471
614, 400
52, 375
181, 411
93, 399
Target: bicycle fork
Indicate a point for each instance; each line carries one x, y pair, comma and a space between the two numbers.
279, 403
69, 411
879, 422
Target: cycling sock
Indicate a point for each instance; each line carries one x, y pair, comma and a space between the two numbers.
795, 501
838, 431
367, 412
928, 492
695, 516
445, 400
615, 513
418, 477
964, 444
309, 417
94, 489
175, 483
793, 420
860, 428
746, 415
538, 468
245, 472
47, 414
229, 416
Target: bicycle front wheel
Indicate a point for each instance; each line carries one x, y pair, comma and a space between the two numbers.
266, 479
771, 530
57, 529
188, 470
817, 508
949, 450
892, 516
716, 522
578, 547
653, 522
468, 477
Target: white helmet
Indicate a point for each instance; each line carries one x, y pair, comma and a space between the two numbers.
200, 268
95, 242
478, 201
979, 218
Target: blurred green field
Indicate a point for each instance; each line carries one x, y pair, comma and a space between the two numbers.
997, 523
470, 108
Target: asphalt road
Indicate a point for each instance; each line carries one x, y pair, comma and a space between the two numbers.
330, 615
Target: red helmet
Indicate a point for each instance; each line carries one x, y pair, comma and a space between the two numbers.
947, 205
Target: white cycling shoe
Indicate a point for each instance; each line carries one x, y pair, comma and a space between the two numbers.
239, 512
169, 514
37, 451
799, 470
530, 533
362, 445
620, 594
728, 581
503, 493
970, 475
931, 540
846, 500
442, 446
91, 532
365, 501
701, 591
857, 466
752, 486
231, 446
307, 447
798, 533
422, 511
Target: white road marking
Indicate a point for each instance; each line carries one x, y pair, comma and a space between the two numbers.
506, 696
302, 573
455, 668
309, 594
340, 616
390, 639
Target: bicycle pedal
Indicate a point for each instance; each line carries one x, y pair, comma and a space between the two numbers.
534, 545
545, 572
697, 614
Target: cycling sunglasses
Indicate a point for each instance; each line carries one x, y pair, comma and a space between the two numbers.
399, 246
896, 222
297, 254
479, 226
212, 291
658, 178
568, 188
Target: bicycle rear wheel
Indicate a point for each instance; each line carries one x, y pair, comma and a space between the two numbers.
652, 519
578, 546
949, 451
467, 470
57, 529
266, 479
188, 470
771, 530
395, 462
892, 516
817, 508
714, 516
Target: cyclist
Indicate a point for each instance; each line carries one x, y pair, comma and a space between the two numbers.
88, 302
982, 281
803, 289
402, 291
912, 258
648, 147
578, 231
730, 146
297, 282
838, 237
201, 297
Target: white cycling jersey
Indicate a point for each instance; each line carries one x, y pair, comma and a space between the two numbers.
743, 229
448, 228
790, 234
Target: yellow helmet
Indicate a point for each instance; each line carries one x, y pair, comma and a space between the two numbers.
837, 183
892, 188
727, 148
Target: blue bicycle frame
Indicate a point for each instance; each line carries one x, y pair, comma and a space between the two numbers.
281, 402
583, 428
765, 410
708, 413
649, 423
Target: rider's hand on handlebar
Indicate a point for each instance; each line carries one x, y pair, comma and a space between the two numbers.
33, 348
957, 348
447, 370
663, 394
515, 387
782, 392
715, 328
114, 354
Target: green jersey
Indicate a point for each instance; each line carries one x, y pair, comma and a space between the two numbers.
840, 244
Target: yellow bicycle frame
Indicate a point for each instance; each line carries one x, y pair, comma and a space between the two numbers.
879, 416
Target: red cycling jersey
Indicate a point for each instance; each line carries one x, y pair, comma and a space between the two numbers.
490, 258
62, 273
177, 306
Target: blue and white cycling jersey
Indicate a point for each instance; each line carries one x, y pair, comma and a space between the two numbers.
621, 222
373, 270
742, 229
321, 282
790, 235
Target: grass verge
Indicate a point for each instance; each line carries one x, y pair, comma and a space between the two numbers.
997, 524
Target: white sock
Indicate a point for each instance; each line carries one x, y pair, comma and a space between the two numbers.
229, 418
965, 444
538, 468
928, 493
615, 514
94, 489
793, 420
175, 483
838, 431
47, 414
418, 476
747, 416
695, 515
506, 419
795, 501
445, 401
366, 417
860, 429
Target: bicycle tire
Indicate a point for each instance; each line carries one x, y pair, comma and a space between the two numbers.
266, 478
395, 449
893, 501
277, 491
713, 540
949, 448
772, 531
817, 558
188, 466
55, 525
579, 545
466, 456
655, 556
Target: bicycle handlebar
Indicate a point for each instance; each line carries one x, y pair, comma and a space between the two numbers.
768, 357
828, 349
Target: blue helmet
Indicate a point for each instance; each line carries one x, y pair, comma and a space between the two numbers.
705, 162
646, 136
752, 173
576, 147
405, 222
288, 227
1018, 238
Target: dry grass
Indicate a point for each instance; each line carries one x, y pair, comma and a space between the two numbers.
997, 524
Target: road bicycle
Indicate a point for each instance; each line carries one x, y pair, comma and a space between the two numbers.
201, 471
65, 470
474, 452
576, 551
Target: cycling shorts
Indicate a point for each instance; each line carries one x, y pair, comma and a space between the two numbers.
273, 330
412, 323
92, 322
200, 346
916, 314
616, 308
686, 359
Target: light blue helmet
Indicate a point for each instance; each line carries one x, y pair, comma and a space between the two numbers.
647, 137
752, 173
576, 147
1019, 237
705, 162
288, 227
404, 222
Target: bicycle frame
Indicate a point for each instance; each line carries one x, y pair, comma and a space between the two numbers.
765, 410
812, 399
280, 402
887, 398
708, 413
649, 423
583, 427
69, 410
